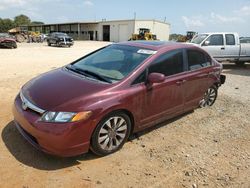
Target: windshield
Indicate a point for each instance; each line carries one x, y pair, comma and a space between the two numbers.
61, 34
113, 62
198, 38
3, 35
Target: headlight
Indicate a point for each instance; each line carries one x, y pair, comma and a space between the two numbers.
63, 117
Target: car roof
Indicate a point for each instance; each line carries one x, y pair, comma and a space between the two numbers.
157, 45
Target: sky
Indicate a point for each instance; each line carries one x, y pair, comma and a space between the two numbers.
197, 15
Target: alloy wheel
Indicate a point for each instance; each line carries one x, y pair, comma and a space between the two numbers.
209, 97
112, 133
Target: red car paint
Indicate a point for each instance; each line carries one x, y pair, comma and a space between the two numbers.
6, 41
62, 90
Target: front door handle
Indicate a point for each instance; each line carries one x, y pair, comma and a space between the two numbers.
179, 82
223, 48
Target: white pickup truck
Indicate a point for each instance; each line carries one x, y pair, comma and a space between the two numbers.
224, 47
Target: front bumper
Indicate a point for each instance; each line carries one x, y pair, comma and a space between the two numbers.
64, 139
71, 43
8, 44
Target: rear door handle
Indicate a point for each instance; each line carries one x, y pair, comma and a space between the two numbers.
223, 48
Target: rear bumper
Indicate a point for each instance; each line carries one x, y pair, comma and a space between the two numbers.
65, 140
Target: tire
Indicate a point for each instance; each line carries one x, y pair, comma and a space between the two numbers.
49, 44
240, 63
14, 45
111, 134
210, 97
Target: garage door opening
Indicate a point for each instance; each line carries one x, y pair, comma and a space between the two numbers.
106, 33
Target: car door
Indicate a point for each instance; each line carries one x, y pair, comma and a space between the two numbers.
164, 100
214, 45
199, 71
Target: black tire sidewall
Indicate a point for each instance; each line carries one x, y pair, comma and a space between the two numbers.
94, 145
216, 93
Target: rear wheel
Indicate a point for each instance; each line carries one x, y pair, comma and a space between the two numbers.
49, 44
111, 134
209, 97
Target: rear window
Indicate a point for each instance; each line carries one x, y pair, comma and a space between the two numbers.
197, 60
168, 64
230, 39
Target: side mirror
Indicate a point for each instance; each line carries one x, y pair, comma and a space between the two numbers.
206, 43
155, 78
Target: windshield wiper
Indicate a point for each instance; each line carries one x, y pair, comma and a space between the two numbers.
96, 75
88, 73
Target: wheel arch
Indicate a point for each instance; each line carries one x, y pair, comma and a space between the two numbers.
121, 110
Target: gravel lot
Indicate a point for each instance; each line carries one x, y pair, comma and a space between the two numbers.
206, 148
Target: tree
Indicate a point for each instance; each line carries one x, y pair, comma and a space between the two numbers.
22, 20
5, 25
36, 23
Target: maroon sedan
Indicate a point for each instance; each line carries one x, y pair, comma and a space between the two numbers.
6, 41
100, 99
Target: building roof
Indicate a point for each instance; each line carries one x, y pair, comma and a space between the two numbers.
97, 22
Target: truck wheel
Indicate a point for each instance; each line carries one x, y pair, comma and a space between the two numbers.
240, 63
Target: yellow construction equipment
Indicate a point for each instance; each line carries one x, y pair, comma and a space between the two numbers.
23, 35
144, 34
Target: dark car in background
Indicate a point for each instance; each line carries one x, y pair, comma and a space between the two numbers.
7, 41
60, 39
99, 100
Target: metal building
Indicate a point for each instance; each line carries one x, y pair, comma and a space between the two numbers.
114, 31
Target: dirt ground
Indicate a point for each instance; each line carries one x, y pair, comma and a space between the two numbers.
206, 148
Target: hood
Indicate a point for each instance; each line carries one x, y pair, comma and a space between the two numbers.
59, 87
62, 37
7, 39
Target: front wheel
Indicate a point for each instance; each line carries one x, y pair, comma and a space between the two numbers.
209, 97
111, 134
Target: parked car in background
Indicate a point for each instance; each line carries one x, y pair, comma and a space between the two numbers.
244, 40
60, 39
44, 37
6, 41
97, 101
224, 47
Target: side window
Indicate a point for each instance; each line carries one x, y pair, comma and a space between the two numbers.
215, 40
230, 40
197, 60
169, 63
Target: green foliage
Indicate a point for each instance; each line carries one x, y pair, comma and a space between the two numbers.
36, 23
22, 20
176, 37
6, 24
